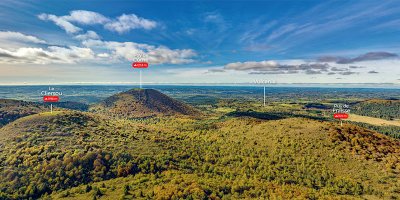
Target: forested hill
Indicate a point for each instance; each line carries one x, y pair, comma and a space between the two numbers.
172, 158
139, 103
11, 110
385, 109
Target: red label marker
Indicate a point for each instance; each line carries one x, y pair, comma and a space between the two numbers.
51, 98
340, 116
140, 65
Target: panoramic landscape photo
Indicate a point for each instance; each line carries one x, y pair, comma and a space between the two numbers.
199, 99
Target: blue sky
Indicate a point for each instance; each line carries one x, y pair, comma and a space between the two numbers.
200, 41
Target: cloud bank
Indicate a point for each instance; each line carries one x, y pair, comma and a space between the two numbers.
155, 54
92, 48
364, 57
10, 36
273, 67
321, 65
52, 54
121, 24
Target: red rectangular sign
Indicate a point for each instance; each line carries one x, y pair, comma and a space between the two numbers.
140, 65
340, 116
51, 98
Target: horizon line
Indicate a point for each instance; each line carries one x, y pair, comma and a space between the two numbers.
368, 85
136, 82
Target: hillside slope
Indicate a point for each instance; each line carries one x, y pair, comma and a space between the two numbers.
171, 157
11, 110
139, 103
246, 158
39, 144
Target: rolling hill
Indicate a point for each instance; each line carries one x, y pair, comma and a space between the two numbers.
140, 103
33, 145
245, 158
78, 155
11, 110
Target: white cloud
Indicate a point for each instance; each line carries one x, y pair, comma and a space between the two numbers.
72, 54
253, 65
61, 22
94, 50
156, 54
121, 24
52, 54
103, 55
10, 36
125, 23
113, 51
282, 67
86, 17
88, 35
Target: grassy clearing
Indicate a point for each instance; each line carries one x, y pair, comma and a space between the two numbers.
373, 120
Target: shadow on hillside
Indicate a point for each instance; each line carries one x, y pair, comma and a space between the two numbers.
254, 114
271, 116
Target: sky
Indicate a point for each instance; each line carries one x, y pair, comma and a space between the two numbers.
95, 42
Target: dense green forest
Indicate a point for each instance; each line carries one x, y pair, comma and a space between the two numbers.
385, 109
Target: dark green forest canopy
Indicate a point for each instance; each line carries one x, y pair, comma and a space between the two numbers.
385, 109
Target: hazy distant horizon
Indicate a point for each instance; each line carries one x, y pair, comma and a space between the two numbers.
135, 84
